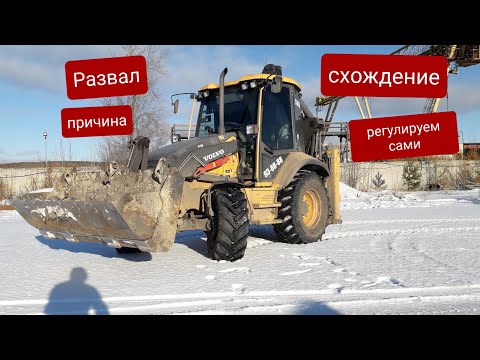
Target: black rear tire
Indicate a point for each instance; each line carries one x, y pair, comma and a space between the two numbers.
304, 210
227, 238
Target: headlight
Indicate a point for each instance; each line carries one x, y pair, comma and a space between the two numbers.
244, 86
252, 129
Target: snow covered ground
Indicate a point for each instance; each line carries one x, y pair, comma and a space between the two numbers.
395, 253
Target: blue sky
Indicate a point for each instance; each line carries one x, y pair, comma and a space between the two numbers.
32, 89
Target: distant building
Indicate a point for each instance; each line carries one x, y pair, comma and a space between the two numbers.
468, 148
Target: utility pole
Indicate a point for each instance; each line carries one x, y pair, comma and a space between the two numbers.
46, 161
461, 147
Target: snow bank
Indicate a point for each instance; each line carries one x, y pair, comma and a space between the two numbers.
347, 192
354, 199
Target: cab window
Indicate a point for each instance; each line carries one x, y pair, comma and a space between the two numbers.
277, 131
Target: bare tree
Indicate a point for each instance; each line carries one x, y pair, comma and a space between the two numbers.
352, 174
6, 190
148, 109
61, 154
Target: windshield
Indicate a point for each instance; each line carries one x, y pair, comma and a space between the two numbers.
240, 110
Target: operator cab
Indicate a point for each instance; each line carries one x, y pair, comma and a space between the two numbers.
266, 105
241, 114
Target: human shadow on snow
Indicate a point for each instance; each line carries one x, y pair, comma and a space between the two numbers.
316, 308
75, 297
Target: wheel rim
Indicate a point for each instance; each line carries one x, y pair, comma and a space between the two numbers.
312, 212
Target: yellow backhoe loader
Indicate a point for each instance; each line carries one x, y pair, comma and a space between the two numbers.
255, 158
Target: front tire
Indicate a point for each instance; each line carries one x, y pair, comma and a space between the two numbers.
304, 210
227, 238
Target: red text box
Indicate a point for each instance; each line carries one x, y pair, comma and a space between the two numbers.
404, 136
97, 121
384, 75
117, 76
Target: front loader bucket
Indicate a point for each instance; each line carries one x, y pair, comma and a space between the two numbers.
136, 209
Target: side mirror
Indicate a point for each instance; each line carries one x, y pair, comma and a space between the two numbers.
175, 106
192, 96
277, 84
176, 138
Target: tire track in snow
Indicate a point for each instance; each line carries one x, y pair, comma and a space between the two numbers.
420, 252
221, 301
440, 263
414, 247
276, 301
349, 306
297, 272
366, 279
433, 290
390, 244
342, 234
395, 221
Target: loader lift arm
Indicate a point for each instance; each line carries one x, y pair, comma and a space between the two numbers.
138, 159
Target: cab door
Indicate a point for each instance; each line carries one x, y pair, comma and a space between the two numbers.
277, 132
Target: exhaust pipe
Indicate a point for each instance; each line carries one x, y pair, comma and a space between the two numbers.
221, 125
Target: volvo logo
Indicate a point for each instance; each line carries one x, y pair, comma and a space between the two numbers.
214, 155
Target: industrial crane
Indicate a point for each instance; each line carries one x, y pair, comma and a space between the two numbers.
456, 55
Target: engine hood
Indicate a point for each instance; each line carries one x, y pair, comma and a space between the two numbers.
203, 149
